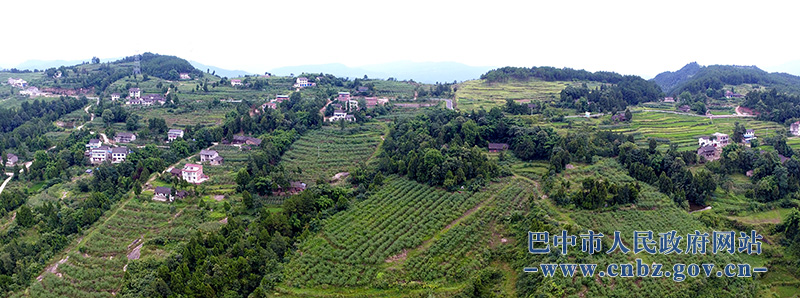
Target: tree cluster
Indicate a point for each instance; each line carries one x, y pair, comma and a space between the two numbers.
437, 148
772, 179
669, 172
773, 106
595, 193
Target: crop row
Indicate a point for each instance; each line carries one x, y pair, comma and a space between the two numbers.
95, 269
353, 243
460, 251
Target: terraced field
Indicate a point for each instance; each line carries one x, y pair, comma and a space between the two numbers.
684, 130
354, 245
477, 93
393, 89
399, 113
95, 265
325, 152
456, 253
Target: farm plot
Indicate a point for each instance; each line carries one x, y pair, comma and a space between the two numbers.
400, 113
221, 178
325, 152
96, 267
653, 212
684, 130
354, 244
475, 94
183, 117
393, 88
458, 252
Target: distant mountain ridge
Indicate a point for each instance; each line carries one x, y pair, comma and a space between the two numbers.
219, 71
668, 80
45, 64
425, 72
696, 78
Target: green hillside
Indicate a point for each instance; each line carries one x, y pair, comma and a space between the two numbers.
695, 78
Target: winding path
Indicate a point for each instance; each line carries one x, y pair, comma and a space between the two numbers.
11, 175
86, 109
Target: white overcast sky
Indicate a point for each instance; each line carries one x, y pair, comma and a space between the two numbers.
629, 37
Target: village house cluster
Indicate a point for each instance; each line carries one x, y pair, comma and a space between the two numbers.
99, 153
344, 105
18, 83
135, 97
193, 173
33, 91
729, 94
710, 148
273, 104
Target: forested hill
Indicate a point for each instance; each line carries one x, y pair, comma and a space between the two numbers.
99, 75
668, 80
163, 66
695, 78
627, 88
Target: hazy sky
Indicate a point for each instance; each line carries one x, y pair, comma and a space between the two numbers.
629, 37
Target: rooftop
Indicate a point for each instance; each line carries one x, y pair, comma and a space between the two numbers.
498, 146
190, 167
707, 149
208, 152
163, 190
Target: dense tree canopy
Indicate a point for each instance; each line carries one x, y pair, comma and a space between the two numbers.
438, 148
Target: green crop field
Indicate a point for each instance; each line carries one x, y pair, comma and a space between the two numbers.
684, 130
221, 178
325, 152
405, 231
393, 89
653, 212
479, 94
95, 265
182, 118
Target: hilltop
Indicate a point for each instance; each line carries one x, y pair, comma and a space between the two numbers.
695, 78
582, 90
